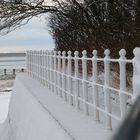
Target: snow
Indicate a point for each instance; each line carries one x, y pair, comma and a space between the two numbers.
35, 113
136, 84
4, 106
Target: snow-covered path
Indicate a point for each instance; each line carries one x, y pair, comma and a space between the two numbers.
4, 105
77, 124
37, 114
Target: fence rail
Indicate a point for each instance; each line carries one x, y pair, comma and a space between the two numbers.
61, 73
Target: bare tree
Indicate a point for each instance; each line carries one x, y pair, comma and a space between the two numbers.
80, 24
97, 24
14, 13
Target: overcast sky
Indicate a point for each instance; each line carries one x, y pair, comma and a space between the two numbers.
34, 35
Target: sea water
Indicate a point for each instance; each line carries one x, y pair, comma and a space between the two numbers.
13, 61
10, 61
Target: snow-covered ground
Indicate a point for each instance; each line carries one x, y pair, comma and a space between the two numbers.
35, 113
4, 106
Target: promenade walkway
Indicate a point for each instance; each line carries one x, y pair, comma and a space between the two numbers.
36, 113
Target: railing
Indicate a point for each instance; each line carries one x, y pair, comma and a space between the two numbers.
69, 76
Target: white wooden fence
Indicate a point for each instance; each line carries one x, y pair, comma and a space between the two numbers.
60, 73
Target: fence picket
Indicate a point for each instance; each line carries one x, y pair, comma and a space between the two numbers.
69, 78
51, 69
38, 65
27, 62
59, 74
76, 53
55, 73
123, 98
63, 76
85, 88
95, 87
106, 90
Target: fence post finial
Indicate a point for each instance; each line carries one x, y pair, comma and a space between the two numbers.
59, 53
123, 97
76, 53
107, 53
84, 52
54, 52
69, 53
122, 53
64, 53
94, 53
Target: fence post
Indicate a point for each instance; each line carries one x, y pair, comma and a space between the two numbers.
40, 76
22, 70
64, 76
5, 71
14, 71
123, 98
76, 53
29, 57
43, 66
27, 61
31, 71
38, 69
36, 65
106, 90
39, 66
37, 59
59, 74
33, 63
69, 78
136, 75
55, 73
50, 69
85, 88
47, 66
95, 87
